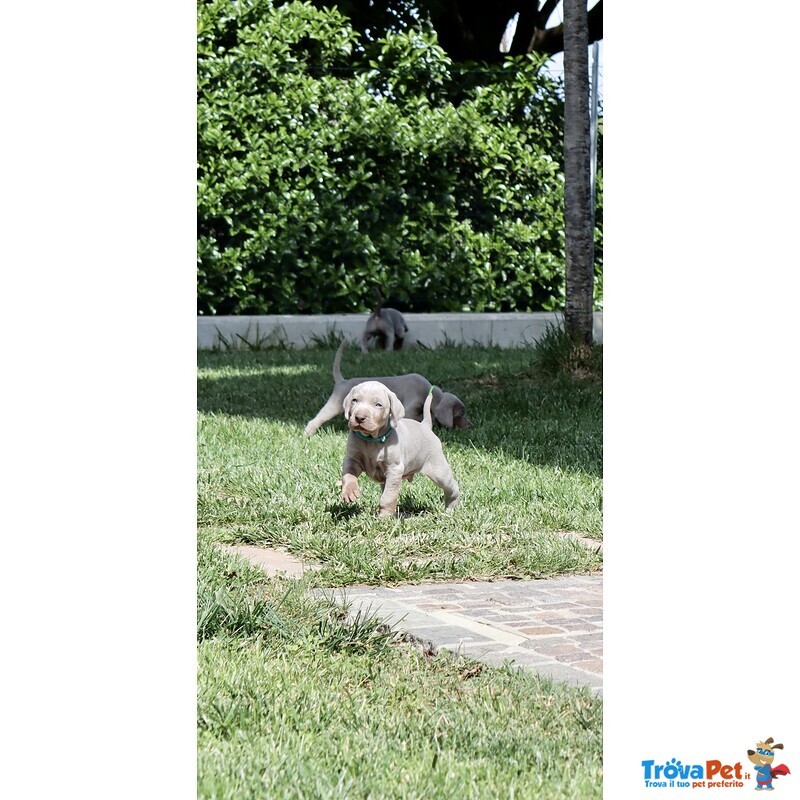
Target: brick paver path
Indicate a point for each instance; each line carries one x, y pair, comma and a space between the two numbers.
552, 626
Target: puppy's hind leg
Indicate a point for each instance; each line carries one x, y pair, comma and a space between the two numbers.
365, 337
331, 409
440, 473
452, 494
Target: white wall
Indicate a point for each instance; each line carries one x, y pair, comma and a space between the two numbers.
504, 330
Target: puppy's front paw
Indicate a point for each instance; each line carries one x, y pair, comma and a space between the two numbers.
350, 490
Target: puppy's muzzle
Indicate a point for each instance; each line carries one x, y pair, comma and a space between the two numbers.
363, 419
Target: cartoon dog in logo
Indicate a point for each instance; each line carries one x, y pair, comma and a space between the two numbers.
762, 757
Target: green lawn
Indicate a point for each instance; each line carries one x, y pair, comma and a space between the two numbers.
296, 703
530, 466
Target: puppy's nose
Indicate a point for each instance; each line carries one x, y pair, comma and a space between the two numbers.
360, 418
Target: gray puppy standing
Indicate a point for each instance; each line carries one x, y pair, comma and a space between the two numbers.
411, 389
389, 448
386, 325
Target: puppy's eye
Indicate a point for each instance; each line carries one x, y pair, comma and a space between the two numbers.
378, 405
354, 400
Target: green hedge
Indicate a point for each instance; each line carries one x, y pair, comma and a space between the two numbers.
327, 168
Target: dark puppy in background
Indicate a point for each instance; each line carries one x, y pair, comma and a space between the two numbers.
411, 389
386, 325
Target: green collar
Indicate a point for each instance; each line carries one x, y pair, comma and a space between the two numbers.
374, 438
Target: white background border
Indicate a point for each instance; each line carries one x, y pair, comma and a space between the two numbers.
701, 419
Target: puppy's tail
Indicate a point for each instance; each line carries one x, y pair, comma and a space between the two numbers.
378, 301
337, 360
427, 420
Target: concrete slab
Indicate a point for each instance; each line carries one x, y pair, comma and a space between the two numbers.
272, 560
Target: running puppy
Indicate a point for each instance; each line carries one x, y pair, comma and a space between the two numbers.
410, 389
386, 325
389, 448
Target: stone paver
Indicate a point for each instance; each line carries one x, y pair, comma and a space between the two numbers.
553, 626
549, 626
272, 560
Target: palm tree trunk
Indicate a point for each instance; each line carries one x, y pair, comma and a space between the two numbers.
577, 197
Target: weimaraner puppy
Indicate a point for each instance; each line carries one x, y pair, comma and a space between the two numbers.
387, 326
411, 389
389, 448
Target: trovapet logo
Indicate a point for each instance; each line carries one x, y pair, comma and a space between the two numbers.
715, 773
762, 757
675, 774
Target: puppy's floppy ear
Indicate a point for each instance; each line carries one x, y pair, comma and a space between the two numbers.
346, 403
396, 410
460, 419
444, 411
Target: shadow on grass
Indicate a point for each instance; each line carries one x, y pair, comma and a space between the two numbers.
555, 422
407, 508
341, 511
